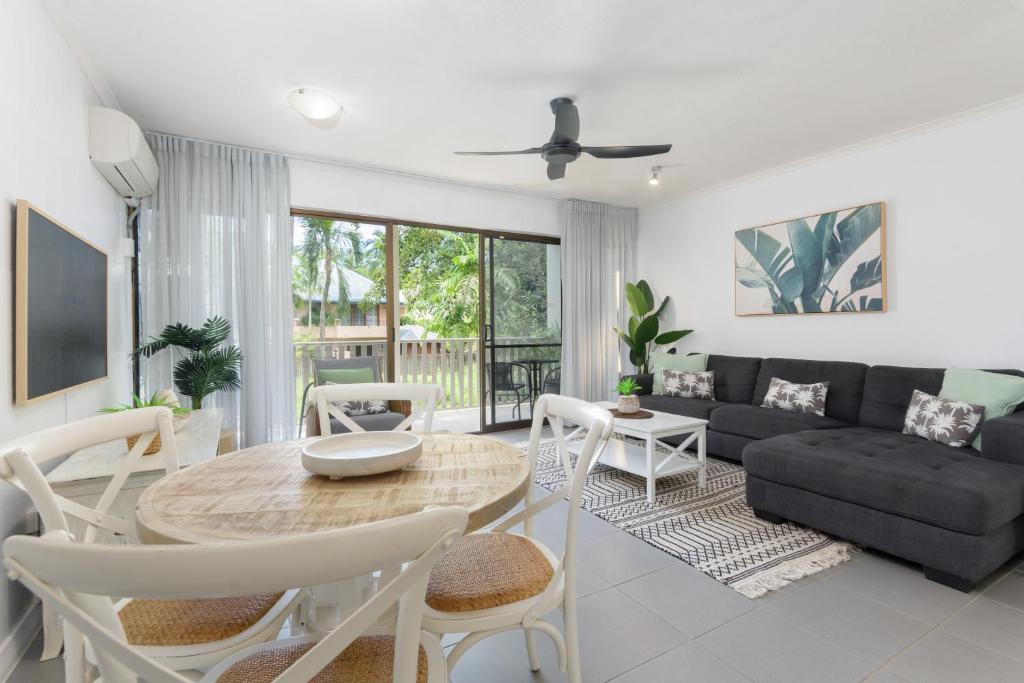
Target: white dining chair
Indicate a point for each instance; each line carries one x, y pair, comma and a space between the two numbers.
494, 581
205, 632
373, 644
424, 398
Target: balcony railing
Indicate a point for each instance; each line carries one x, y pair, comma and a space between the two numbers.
453, 364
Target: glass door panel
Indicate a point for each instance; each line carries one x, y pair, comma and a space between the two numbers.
522, 332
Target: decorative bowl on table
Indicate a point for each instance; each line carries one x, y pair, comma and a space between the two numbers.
359, 454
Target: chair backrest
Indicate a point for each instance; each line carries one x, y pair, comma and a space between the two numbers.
22, 458
596, 424
76, 580
356, 362
328, 395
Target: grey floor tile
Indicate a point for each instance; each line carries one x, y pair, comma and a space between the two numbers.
31, 670
617, 558
1009, 590
766, 647
502, 659
848, 619
617, 634
588, 582
991, 625
900, 586
688, 662
688, 599
883, 676
943, 658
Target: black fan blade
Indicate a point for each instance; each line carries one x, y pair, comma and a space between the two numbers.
567, 120
532, 150
556, 171
626, 151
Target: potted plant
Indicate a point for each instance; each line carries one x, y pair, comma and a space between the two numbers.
644, 332
207, 366
629, 402
165, 399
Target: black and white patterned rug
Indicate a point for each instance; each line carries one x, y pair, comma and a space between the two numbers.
713, 530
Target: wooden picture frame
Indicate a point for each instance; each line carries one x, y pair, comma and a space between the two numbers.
764, 259
21, 305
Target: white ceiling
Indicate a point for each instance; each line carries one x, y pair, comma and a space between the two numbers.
737, 86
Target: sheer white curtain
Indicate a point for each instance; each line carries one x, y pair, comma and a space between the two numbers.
216, 239
598, 257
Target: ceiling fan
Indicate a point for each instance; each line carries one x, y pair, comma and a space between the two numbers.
563, 148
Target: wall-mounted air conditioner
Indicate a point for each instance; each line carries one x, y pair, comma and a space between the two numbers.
119, 151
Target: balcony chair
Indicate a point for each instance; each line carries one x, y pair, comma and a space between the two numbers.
374, 644
329, 401
505, 383
494, 581
552, 383
397, 410
179, 634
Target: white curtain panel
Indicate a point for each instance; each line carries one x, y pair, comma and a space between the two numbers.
598, 258
216, 239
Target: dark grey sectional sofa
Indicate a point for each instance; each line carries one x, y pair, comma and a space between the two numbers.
852, 472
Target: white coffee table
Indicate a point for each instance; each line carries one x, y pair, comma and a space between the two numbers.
646, 461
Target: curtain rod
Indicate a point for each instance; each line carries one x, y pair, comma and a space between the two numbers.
358, 167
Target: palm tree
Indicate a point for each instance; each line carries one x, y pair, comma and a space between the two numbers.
326, 244
306, 282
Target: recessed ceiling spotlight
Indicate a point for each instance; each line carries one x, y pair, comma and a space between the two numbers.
314, 103
653, 180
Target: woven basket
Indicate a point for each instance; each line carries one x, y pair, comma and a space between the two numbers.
154, 446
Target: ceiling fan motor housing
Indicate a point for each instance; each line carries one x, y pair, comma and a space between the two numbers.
560, 152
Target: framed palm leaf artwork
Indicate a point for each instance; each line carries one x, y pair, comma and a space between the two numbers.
830, 263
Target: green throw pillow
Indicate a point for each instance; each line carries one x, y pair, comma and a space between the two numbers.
663, 360
345, 376
1000, 394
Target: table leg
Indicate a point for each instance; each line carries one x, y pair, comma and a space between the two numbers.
652, 481
702, 457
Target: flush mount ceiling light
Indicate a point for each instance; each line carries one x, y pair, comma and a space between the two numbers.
314, 103
653, 180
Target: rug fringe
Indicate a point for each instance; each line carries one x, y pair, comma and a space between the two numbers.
793, 570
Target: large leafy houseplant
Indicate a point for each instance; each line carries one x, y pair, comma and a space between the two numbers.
644, 332
207, 366
799, 277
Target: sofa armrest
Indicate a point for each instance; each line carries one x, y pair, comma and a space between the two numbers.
1003, 439
646, 383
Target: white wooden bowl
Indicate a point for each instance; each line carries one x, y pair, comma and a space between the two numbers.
359, 454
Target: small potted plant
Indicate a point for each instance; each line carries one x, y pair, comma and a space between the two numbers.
629, 402
165, 399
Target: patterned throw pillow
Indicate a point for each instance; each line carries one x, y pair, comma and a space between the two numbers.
954, 423
684, 384
800, 398
357, 408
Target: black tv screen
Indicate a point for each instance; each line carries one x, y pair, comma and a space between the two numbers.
60, 308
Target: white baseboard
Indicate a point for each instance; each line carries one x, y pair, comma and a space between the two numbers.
12, 649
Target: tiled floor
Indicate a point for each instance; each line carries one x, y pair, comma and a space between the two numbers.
647, 618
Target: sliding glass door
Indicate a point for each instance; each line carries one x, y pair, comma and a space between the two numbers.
521, 334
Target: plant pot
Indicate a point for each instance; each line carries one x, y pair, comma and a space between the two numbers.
629, 404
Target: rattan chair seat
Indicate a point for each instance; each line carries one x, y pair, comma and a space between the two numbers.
191, 622
487, 570
369, 659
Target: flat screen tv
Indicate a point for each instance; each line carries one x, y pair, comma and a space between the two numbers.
60, 308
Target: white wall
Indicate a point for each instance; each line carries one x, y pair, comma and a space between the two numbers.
955, 230
44, 158
370, 193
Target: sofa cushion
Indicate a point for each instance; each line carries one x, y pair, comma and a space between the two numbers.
888, 390
904, 475
377, 422
846, 383
735, 377
763, 423
690, 407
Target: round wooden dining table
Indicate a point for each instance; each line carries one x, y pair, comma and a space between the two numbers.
264, 491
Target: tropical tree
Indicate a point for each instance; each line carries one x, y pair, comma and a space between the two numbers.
306, 282
326, 244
